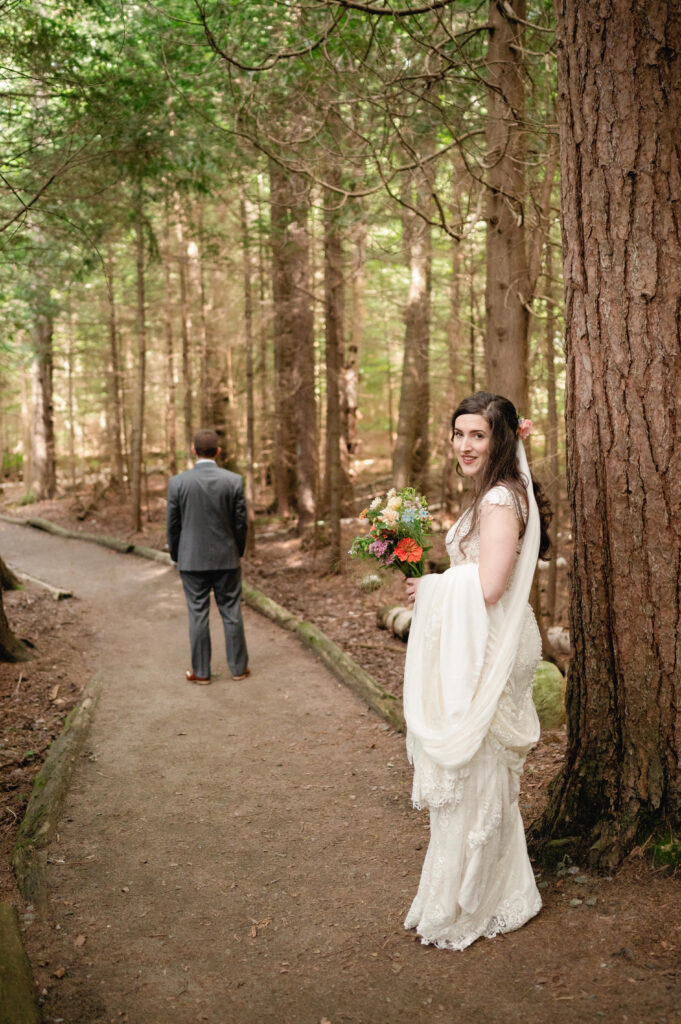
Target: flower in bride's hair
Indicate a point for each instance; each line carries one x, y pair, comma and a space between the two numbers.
524, 428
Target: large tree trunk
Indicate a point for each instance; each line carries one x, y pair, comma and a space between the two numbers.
137, 439
619, 76
507, 286
411, 453
43, 482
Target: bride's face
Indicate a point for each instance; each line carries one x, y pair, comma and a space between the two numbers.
471, 442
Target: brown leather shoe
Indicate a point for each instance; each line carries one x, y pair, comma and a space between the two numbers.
243, 674
199, 680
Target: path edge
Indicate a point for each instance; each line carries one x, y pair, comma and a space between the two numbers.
340, 664
18, 1002
45, 805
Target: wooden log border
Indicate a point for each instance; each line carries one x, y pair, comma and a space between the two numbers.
18, 1004
47, 798
336, 660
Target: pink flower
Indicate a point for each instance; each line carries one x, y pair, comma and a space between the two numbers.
524, 429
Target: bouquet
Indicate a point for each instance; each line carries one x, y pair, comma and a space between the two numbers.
400, 523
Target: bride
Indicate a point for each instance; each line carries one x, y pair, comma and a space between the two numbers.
473, 649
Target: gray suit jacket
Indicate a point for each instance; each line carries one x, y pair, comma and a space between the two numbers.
206, 520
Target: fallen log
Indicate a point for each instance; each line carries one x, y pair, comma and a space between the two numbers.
57, 593
45, 805
396, 619
124, 546
18, 1003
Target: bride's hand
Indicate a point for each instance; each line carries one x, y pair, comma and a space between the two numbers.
411, 584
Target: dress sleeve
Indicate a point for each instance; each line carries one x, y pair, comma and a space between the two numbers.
501, 495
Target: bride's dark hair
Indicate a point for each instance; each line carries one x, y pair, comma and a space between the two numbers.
502, 465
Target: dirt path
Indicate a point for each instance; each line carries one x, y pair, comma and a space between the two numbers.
246, 852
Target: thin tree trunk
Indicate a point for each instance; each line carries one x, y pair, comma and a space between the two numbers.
302, 330
507, 285
114, 378
250, 403
411, 453
553, 484
43, 463
619, 76
284, 416
334, 302
185, 327
171, 414
350, 378
70, 405
137, 440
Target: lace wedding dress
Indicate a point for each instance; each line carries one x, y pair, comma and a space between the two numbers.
477, 879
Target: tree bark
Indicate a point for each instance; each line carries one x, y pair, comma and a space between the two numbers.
185, 327
619, 75
302, 332
553, 483
411, 453
137, 439
43, 462
284, 414
171, 414
334, 303
250, 401
507, 285
114, 378
11, 648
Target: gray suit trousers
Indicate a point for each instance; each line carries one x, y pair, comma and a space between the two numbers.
226, 585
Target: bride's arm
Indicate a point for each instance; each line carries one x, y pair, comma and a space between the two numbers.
499, 532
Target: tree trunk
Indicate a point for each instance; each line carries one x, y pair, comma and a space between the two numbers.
137, 439
185, 325
411, 454
507, 286
334, 303
43, 462
284, 412
171, 415
114, 379
250, 403
11, 648
302, 331
619, 75
553, 483
350, 379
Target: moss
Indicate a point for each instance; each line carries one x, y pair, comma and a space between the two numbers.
549, 695
667, 852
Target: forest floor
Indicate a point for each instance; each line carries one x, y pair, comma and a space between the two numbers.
251, 860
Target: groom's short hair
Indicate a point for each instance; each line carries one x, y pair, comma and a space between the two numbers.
206, 443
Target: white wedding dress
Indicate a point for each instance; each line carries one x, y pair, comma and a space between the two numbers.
477, 879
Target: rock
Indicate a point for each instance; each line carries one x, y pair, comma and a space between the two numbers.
575, 902
549, 695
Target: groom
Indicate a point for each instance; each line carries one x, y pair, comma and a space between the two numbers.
206, 529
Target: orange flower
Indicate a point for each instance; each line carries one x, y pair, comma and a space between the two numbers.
408, 550
363, 514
